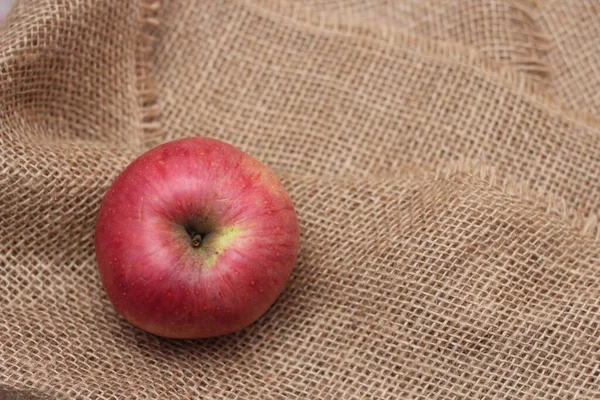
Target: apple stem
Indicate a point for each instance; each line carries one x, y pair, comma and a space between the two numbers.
195, 236
196, 239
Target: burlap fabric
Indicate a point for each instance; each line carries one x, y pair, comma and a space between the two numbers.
447, 193
573, 30
503, 30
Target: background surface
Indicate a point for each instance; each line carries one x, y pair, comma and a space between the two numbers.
443, 157
5, 6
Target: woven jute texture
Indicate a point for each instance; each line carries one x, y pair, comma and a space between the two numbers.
572, 28
503, 30
443, 157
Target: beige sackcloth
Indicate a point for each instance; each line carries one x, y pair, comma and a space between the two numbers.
443, 157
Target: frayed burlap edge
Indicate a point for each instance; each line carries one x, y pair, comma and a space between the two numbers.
528, 60
586, 225
348, 26
494, 178
148, 95
448, 52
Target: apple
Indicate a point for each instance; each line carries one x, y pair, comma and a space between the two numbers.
195, 238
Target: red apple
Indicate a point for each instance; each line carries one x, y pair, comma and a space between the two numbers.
195, 238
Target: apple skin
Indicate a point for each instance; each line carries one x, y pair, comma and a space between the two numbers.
195, 239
